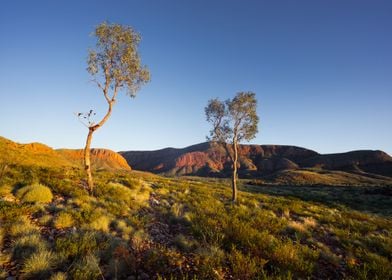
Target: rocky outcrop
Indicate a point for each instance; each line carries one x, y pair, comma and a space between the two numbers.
100, 158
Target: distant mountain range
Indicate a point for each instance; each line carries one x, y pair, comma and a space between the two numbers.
210, 159
276, 164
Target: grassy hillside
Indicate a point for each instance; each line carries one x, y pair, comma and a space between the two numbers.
143, 226
37, 154
30, 154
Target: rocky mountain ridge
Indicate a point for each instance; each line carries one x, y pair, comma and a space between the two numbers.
210, 159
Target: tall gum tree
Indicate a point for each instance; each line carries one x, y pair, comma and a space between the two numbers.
115, 66
233, 121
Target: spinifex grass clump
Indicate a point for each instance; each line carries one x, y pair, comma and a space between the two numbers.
35, 193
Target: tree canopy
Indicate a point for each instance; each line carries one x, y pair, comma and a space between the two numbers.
233, 121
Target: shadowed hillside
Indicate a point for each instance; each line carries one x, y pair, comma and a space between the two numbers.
376, 162
36, 154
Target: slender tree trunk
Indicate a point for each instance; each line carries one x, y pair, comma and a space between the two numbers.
91, 129
234, 177
87, 161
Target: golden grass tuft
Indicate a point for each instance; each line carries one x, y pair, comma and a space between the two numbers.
38, 265
35, 193
63, 220
101, 223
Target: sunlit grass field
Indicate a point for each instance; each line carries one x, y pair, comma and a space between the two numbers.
143, 226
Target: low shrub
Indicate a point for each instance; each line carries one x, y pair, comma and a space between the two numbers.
245, 266
35, 193
86, 268
115, 191
80, 244
210, 262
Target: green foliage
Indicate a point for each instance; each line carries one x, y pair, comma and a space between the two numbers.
373, 266
188, 230
11, 211
86, 268
22, 226
210, 262
115, 192
25, 246
38, 265
233, 120
80, 244
245, 266
35, 193
116, 57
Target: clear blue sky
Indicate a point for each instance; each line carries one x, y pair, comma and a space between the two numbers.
322, 71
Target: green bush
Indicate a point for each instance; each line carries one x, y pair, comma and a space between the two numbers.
86, 268
244, 266
79, 244
116, 192
35, 193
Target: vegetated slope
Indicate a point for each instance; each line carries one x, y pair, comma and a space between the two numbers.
144, 226
38, 154
209, 159
30, 154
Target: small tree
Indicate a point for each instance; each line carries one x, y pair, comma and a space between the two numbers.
114, 65
232, 122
